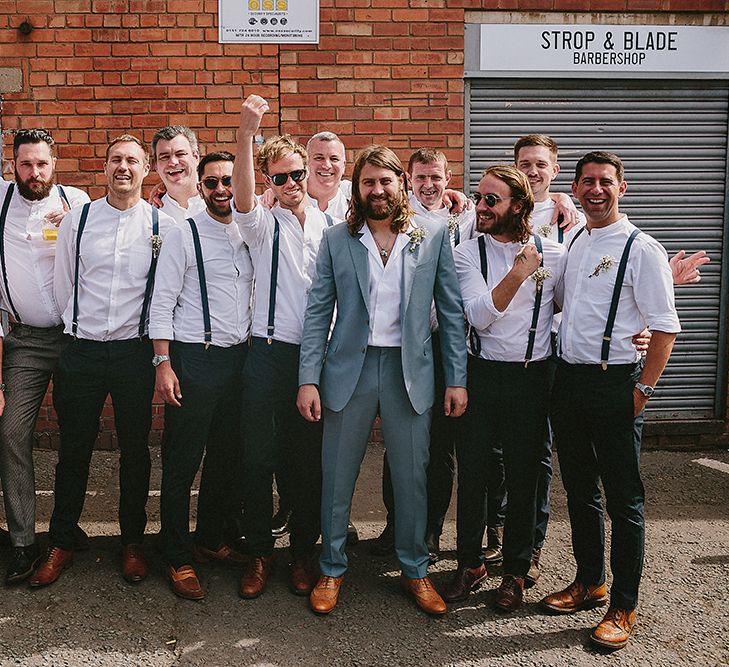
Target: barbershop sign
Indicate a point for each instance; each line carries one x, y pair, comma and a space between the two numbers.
268, 21
604, 48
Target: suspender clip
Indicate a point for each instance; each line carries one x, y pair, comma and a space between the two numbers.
269, 340
526, 363
269, 333
607, 338
604, 365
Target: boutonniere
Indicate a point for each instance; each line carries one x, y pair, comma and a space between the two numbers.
540, 275
453, 222
417, 235
604, 265
545, 231
156, 241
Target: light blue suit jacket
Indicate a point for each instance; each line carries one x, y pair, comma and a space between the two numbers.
342, 277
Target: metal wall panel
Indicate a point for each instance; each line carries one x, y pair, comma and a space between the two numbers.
672, 136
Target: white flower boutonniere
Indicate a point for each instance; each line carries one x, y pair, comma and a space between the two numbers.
545, 231
606, 263
453, 222
156, 241
417, 235
540, 275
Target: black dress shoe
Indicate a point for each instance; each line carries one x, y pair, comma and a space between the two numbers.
432, 541
22, 564
4, 538
352, 534
280, 523
384, 545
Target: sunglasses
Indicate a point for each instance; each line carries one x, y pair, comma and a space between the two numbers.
296, 176
489, 199
211, 182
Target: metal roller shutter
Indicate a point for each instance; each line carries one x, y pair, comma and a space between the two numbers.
672, 136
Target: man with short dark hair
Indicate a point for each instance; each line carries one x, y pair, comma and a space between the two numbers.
31, 210
382, 270
175, 155
617, 282
199, 324
104, 273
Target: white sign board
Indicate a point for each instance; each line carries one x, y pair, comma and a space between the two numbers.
268, 21
604, 48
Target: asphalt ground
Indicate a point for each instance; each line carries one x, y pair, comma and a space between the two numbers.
91, 616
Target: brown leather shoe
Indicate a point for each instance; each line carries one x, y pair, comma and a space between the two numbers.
532, 576
510, 593
615, 629
465, 580
492, 554
576, 597
223, 554
303, 575
325, 594
134, 564
425, 595
185, 583
51, 568
255, 576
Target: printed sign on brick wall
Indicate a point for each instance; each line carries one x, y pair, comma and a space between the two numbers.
268, 21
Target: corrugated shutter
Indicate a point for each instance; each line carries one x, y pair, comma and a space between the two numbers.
672, 136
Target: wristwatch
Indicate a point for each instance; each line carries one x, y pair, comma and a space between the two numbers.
157, 359
645, 389
2, 386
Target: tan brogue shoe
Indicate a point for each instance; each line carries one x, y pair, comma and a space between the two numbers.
425, 595
134, 564
510, 593
325, 594
185, 583
465, 580
51, 568
615, 629
254, 579
576, 597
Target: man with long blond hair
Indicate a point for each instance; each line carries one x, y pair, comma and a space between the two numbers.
382, 270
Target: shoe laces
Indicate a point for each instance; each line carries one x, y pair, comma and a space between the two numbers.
54, 554
327, 582
618, 616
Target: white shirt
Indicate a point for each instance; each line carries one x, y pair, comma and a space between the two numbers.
466, 220
29, 258
646, 298
176, 312
542, 215
179, 214
338, 206
116, 252
385, 290
505, 335
296, 266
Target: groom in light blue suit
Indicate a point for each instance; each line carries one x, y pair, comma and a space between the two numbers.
382, 269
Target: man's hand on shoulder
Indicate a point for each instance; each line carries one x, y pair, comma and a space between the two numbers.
155, 197
565, 211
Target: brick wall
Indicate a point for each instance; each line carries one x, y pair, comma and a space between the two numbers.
384, 71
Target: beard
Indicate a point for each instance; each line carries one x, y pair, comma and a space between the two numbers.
500, 225
33, 189
219, 209
379, 208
